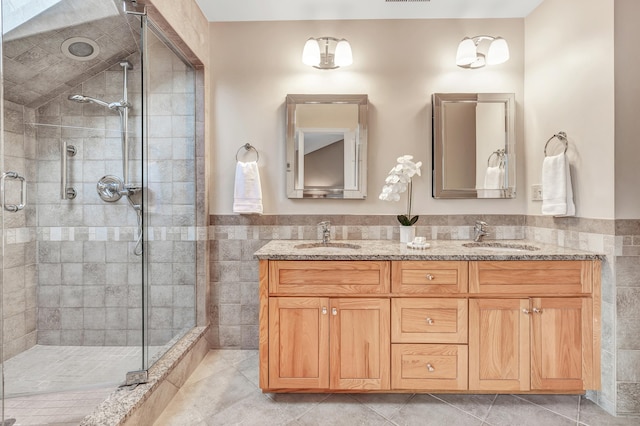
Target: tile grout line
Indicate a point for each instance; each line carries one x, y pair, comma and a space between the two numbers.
547, 409
460, 409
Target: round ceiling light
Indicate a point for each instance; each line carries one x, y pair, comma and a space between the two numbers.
80, 48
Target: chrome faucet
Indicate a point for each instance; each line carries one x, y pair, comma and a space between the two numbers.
326, 231
479, 231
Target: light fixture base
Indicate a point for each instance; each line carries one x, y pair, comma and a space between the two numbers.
333, 53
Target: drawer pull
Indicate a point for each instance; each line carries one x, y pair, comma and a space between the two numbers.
430, 277
526, 311
429, 321
324, 310
334, 311
430, 367
537, 311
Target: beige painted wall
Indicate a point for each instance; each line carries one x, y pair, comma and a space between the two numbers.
627, 92
399, 64
569, 86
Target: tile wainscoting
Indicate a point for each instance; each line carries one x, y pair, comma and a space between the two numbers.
233, 310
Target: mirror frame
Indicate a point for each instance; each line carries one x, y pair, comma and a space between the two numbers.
438, 143
292, 101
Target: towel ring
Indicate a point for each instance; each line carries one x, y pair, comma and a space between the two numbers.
247, 146
562, 137
500, 153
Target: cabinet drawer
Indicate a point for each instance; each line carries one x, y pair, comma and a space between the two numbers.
429, 277
321, 277
429, 320
531, 277
435, 367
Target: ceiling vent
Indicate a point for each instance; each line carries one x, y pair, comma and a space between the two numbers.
80, 48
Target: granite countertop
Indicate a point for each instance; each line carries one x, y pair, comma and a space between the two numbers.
438, 250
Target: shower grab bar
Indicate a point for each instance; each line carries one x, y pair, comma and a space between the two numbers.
66, 151
23, 192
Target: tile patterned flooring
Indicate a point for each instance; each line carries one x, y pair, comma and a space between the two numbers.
223, 390
59, 385
58, 408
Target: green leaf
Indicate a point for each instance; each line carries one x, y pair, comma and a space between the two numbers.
404, 221
407, 221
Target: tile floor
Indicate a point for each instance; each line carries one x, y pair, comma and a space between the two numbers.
60, 385
223, 390
58, 408
46, 369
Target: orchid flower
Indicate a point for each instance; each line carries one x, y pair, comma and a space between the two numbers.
399, 181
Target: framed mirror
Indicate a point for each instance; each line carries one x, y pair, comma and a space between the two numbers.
473, 136
326, 146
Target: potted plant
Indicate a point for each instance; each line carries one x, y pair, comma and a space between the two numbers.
397, 182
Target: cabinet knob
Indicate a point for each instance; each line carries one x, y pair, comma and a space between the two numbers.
430, 367
526, 311
334, 311
324, 310
429, 321
537, 311
430, 277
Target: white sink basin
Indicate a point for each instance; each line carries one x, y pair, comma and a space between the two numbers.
327, 246
501, 247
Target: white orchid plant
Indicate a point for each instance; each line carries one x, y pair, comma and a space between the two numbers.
399, 181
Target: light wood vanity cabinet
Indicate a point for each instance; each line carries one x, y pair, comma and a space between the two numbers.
426, 326
328, 342
533, 343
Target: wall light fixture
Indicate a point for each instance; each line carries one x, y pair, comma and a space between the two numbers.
327, 53
478, 51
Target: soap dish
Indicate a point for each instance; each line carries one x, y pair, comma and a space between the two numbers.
417, 246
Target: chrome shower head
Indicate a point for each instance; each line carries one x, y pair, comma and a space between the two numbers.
79, 98
87, 99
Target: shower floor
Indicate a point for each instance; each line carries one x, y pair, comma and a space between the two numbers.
45, 369
62, 384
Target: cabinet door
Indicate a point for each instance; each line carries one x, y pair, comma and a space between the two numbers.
298, 342
561, 343
360, 343
499, 357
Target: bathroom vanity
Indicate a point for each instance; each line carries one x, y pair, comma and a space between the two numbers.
376, 316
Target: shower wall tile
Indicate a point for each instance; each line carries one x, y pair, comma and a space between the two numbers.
71, 337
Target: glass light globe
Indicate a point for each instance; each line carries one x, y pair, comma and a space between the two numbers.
311, 53
467, 52
343, 56
498, 51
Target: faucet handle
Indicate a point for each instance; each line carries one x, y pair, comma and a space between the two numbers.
481, 224
325, 225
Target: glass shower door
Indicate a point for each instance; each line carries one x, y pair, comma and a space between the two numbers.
169, 176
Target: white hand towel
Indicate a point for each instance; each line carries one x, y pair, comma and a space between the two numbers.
557, 193
493, 183
494, 178
247, 191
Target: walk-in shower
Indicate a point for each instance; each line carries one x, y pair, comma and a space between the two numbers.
98, 152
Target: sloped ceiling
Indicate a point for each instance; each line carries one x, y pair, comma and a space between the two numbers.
34, 68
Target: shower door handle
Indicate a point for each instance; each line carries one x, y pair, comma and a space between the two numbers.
66, 151
23, 192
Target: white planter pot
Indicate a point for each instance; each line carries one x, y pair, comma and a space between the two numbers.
407, 233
